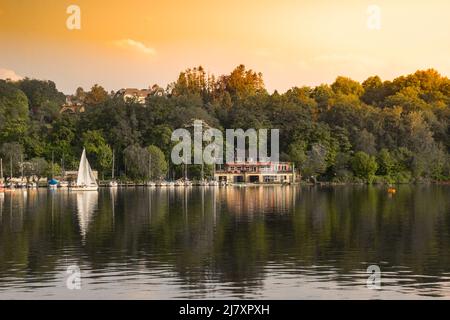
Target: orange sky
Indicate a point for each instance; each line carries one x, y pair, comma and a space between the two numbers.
136, 43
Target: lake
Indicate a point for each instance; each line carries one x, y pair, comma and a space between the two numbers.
272, 242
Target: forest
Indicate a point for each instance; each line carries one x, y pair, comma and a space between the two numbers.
346, 132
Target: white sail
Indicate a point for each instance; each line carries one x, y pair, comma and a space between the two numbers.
85, 174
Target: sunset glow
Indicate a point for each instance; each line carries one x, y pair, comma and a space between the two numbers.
292, 42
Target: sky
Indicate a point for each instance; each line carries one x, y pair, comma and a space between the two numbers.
137, 43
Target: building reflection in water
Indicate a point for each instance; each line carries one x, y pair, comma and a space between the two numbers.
258, 200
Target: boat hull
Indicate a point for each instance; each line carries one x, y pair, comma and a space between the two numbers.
83, 188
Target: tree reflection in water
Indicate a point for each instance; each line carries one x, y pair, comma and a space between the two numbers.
230, 242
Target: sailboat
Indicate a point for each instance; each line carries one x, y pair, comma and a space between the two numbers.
2, 184
113, 183
63, 183
10, 185
150, 183
202, 181
85, 179
53, 183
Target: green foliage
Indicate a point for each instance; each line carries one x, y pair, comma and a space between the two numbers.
44, 99
39, 167
386, 163
95, 96
12, 155
98, 150
136, 162
13, 112
364, 166
347, 86
297, 153
158, 163
403, 123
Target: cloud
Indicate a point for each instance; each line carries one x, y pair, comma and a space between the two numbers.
135, 45
9, 74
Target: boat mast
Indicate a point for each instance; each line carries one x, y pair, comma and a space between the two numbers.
113, 159
62, 167
202, 172
10, 168
21, 167
1, 169
53, 160
150, 166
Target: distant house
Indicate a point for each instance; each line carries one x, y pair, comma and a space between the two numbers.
72, 105
139, 95
257, 172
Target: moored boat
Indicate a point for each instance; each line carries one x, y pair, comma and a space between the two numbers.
113, 184
53, 184
31, 185
2, 183
85, 179
161, 183
63, 184
10, 185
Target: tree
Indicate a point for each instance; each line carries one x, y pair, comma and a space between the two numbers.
241, 83
385, 163
365, 141
374, 90
321, 127
316, 161
12, 153
44, 99
97, 148
39, 167
347, 86
13, 112
297, 153
136, 161
53, 170
80, 95
96, 96
158, 167
364, 166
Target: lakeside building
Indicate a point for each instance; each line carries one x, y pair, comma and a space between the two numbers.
256, 172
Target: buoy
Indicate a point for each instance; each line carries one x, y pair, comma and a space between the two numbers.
392, 190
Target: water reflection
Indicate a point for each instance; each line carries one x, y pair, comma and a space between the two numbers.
270, 242
87, 202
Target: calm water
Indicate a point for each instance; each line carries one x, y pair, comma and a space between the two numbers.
256, 242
